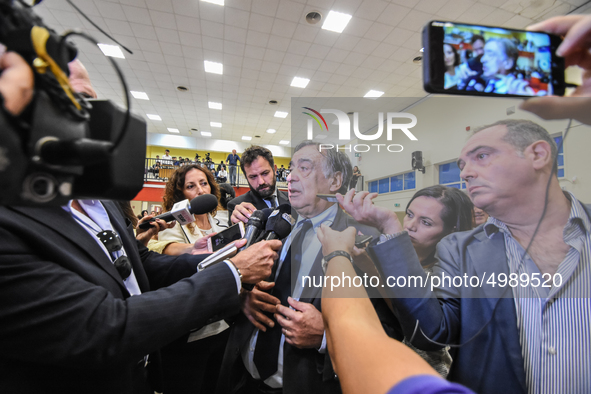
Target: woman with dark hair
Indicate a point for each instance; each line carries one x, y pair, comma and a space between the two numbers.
356, 175
431, 214
188, 182
451, 60
191, 364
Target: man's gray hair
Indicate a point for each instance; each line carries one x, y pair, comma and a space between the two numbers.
334, 162
522, 133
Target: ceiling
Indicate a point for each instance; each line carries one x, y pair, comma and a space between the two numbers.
263, 45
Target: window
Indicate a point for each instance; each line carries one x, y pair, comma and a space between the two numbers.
449, 175
396, 183
558, 140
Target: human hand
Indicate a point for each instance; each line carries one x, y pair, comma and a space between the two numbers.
576, 30
332, 240
242, 212
362, 208
302, 327
517, 85
16, 82
200, 246
256, 302
144, 235
256, 261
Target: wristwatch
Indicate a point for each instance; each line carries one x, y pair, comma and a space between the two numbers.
327, 258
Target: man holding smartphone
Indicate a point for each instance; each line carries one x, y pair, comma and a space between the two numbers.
258, 167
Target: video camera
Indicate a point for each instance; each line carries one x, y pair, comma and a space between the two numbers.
63, 146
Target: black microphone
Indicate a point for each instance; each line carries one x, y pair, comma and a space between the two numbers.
255, 225
183, 211
279, 223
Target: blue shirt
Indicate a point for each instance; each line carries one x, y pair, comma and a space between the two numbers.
233, 159
428, 384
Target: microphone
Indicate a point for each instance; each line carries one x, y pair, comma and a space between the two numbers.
279, 223
278, 226
254, 225
183, 211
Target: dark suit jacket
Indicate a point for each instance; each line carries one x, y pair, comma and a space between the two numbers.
492, 361
304, 370
67, 321
255, 200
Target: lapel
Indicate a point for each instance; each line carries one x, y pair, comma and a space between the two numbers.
282, 197
489, 256
55, 219
125, 230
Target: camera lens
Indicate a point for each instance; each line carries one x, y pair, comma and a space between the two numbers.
40, 188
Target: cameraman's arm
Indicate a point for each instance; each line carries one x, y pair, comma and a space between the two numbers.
16, 83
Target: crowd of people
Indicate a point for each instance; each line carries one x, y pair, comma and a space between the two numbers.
89, 308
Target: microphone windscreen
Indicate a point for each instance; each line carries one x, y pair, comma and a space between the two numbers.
203, 204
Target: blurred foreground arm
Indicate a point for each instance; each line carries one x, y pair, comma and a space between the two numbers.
16, 82
352, 328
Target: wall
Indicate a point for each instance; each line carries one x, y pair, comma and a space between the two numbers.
441, 132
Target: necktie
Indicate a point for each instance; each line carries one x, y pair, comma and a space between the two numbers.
271, 199
266, 351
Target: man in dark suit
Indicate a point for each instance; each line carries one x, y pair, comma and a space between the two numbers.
289, 355
77, 314
516, 337
257, 166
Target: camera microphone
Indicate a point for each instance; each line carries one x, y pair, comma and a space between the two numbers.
183, 211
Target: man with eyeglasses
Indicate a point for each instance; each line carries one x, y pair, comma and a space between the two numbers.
80, 311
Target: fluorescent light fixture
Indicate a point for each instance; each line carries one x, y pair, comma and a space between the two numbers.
213, 105
213, 67
422, 50
321, 136
112, 50
281, 114
215, 124
271, 131
218, 2
245, 138
206, 133
284, 142
140, 95
336, 21
300, 82
373, 93
173, 130
153, 117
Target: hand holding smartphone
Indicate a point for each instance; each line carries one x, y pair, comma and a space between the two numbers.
490, 61
226, 237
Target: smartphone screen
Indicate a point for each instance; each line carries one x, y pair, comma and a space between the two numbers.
226, 237
490, 61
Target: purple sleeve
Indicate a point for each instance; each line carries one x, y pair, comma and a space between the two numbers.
428, 384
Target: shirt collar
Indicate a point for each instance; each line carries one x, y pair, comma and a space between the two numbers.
327, 216
577, 217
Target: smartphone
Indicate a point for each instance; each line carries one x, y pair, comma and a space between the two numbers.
226, 237
327, 197
479, 60
362, 240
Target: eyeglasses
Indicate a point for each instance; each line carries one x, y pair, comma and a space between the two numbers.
112, 242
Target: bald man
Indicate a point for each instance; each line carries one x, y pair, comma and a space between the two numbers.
80, 80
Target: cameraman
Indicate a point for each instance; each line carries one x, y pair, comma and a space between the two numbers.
77, 314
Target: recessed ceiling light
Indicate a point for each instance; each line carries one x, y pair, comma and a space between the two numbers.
173, 130
422, 50
374, 93
300, 82
336, 21
140, 95
271, 131
321, 136
280, 114
213, 67
284, 142
153, 117
213, 105
245, 138
206, 133
112, 50
215, 124
218, 2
